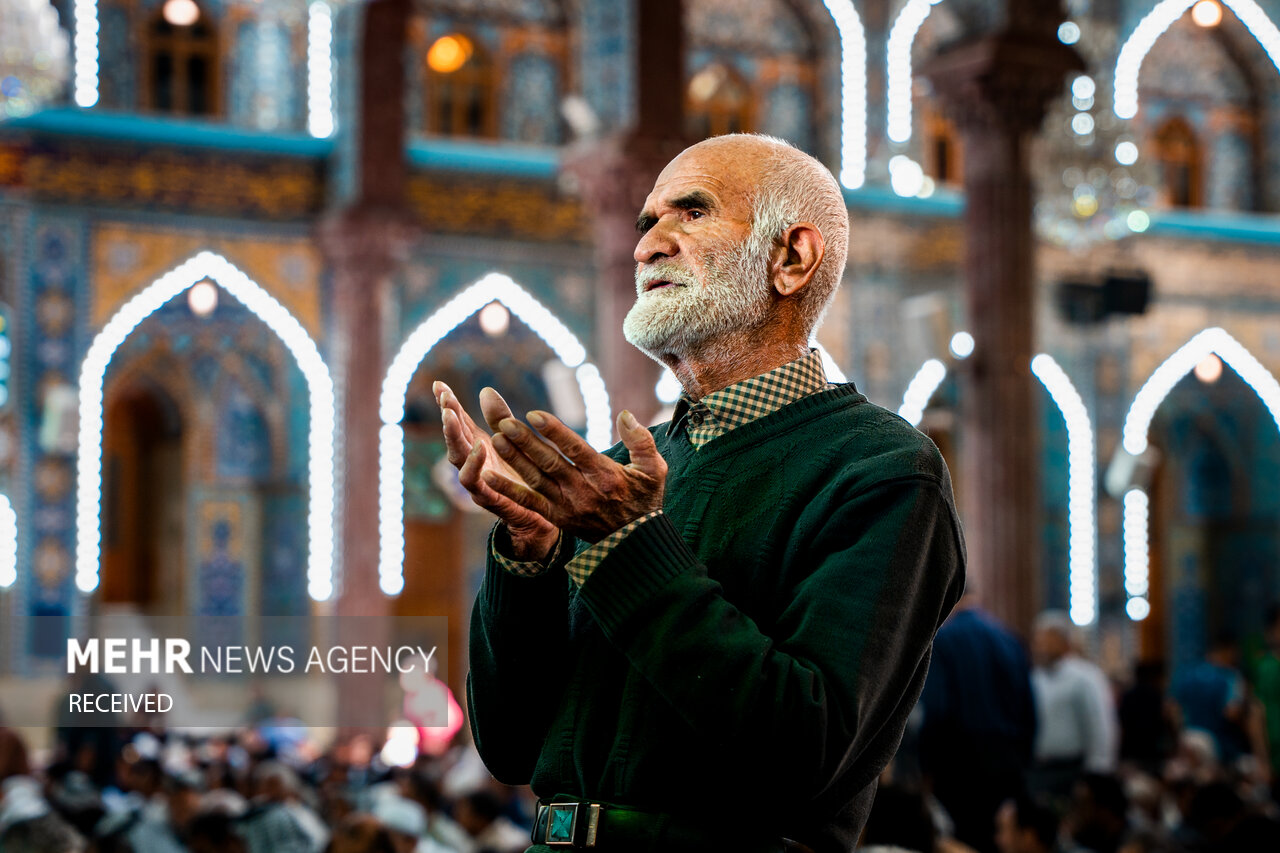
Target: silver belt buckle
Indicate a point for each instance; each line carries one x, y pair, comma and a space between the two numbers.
563, 821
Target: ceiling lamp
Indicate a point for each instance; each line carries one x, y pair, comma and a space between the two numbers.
449, 53
181, 13
1209, 369
495, 319
1206, 13
202, 298
1094, 185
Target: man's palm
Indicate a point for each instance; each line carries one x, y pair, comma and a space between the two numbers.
470, 450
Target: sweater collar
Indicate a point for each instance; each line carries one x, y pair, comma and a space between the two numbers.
741, 403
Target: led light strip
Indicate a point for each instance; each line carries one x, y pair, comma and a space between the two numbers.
320, 520
1159, 19
1137, 425
320, 70
853, 92
85, 16
920, 389
1136, 554
8, 543
1161, 382
898, 77
1082, 569
1081, 514
395, 390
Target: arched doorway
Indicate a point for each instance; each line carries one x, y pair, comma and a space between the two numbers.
204, 479
143, 485
1214, 509
1166, 580
317, 460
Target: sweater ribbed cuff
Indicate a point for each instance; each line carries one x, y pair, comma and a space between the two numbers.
581, 566
504, 590
637, 568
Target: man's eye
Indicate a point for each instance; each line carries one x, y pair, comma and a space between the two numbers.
695, 214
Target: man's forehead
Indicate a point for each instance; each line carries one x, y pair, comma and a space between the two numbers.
686, 174
672, 185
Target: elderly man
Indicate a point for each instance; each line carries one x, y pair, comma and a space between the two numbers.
710, 637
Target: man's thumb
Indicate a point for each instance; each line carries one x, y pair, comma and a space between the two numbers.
639, 441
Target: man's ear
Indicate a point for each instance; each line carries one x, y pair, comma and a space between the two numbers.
797, 257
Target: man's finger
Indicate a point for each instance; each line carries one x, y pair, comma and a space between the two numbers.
469, 471
645, 457
448, 400
528, 469
569, 442
493, 407
517, 492
540, 453
469, 475
482, 495
454, 442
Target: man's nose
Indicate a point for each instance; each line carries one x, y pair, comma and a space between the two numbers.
657, 243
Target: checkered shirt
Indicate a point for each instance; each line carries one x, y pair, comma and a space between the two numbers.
704, 420
500, 540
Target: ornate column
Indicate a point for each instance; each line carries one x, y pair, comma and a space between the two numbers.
613, 174
365, 239
997, 89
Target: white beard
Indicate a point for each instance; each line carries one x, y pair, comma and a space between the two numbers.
701, 316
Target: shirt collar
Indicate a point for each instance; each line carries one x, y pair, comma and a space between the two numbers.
754, 398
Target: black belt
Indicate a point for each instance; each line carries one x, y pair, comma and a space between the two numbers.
586, 825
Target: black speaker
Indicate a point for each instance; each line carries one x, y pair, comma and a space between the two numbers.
1080, 302
1126, 293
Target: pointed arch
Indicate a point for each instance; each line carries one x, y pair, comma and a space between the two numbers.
1082, 569
1137, 427
212, 266
1216, 341
1160, 18
494, 287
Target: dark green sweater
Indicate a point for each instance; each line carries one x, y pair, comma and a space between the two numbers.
753, 653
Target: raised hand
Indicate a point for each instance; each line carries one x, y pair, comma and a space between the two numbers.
568, 483
470, 450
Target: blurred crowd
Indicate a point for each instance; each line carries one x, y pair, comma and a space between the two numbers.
1010, 750
1013, 750
262, 789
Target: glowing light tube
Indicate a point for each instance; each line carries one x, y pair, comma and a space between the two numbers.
1157, 21
853, 92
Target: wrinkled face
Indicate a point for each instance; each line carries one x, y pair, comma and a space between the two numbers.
699, 275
